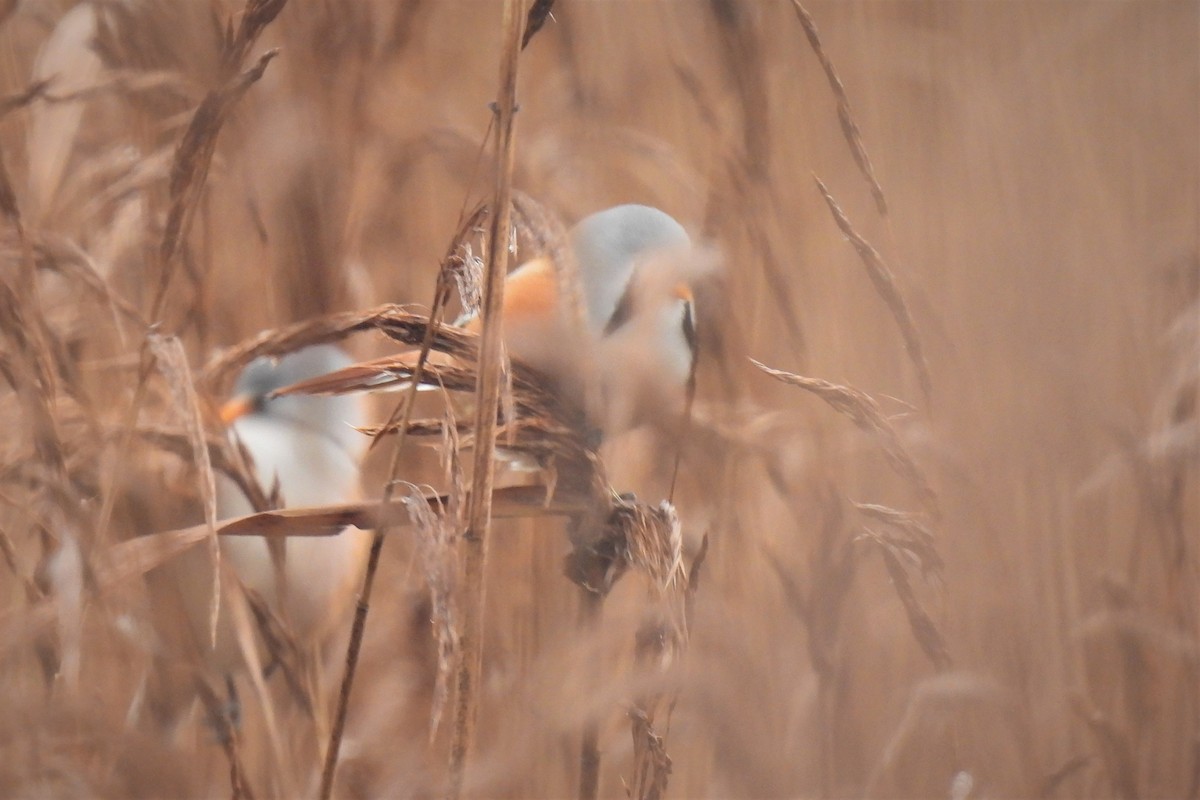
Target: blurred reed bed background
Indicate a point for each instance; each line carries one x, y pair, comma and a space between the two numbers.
1027, 627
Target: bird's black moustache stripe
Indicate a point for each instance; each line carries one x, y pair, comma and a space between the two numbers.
689, 329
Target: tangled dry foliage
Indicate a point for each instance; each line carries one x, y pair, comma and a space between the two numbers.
985, 588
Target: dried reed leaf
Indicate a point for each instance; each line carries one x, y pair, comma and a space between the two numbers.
256, 16
397, 322
885, 286
922, 625
862, 409
194, 156
539, 12
850, 129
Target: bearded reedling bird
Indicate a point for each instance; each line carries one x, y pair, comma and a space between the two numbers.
632, 362
306, 448
638, 346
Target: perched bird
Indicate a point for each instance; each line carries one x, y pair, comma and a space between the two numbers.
306, 449
623, 351
632, 361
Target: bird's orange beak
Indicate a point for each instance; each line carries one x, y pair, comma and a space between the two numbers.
236, 408
683, 292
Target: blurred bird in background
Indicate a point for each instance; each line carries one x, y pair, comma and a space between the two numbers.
307, 451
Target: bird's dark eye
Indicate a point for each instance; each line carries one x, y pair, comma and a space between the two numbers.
259, 403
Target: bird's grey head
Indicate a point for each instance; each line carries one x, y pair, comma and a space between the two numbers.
607, 246
335, 417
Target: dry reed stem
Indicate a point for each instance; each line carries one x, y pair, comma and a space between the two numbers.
862, 409
401, 416
850, 129
591, 606
628, 534
652, 765
479, 501
741, 50
34, 91
1115, 749
172, 362
655, 546
227, 735
835, 566
1069, 769
885, 286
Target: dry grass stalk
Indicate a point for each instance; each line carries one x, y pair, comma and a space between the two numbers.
922, 625
436, 531
1056, 779
190, 167
1115, 749
452, 265
172, 361
652, 769
590, 609
227, 735
916, 537
615, 535
862, 409
742, 53
655, 547
479, 502
36, 90
885, 285
820, 607
850, 129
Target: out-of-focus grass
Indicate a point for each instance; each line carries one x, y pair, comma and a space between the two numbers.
1042, 178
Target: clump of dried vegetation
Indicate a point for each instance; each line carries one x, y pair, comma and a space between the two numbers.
987, 588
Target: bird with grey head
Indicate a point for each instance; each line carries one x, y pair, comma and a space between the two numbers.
307, 449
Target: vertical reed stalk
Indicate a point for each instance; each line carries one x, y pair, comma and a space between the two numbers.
479, 504
591, 604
